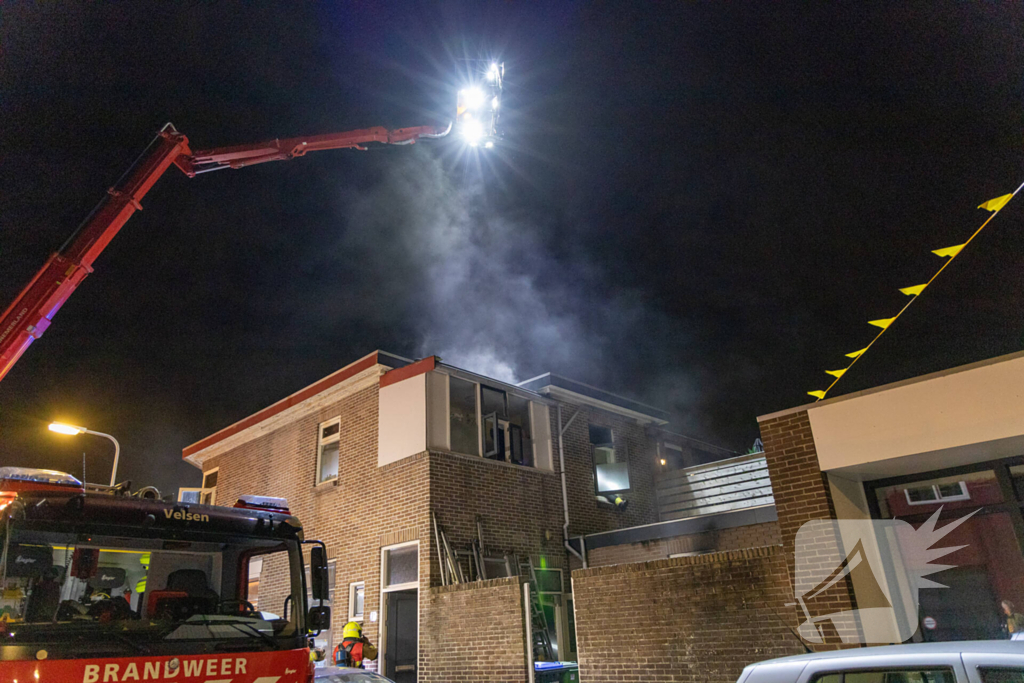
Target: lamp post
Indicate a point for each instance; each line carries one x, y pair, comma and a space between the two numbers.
72, 430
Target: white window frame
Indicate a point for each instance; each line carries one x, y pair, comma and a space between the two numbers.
212, 490
939, 498
352, 588
384, 569
321, 442
200, 490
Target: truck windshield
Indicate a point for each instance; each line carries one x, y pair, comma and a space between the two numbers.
72, 587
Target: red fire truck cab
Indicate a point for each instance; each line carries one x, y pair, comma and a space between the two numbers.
102, 587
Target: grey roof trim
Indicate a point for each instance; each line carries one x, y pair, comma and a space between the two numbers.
680, 527
549, 379
893, 385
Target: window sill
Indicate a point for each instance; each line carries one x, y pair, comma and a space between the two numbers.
326, 482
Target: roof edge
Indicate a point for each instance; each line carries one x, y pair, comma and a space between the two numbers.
893, 385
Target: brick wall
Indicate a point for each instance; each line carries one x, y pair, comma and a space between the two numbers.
802, 494
689, 619
519, 508
736, 538
367, 508
585, 515
473, 632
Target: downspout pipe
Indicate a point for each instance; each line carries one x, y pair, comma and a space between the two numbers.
565, 494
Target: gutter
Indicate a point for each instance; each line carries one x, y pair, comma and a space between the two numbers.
565, 496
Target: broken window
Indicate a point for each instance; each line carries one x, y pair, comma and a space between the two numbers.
520, 442
611, 469
465, 437
493, 418
327, 450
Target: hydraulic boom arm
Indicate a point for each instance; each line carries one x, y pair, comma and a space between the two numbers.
30, 314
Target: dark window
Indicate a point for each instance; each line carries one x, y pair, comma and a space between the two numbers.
891, 676
1001, 675
462, 399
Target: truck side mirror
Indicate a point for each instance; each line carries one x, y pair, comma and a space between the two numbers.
318, 573
318, 619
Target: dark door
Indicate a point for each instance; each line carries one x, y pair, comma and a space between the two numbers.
967, 610
400, 653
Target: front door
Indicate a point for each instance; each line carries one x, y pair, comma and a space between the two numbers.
402, 635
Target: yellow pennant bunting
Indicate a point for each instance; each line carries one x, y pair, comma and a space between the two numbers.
856, 354
836, 373
949, 251
881, 322
817, 394
913, 291
997, 203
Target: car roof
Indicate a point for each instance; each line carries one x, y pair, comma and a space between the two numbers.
325, 671
980, 646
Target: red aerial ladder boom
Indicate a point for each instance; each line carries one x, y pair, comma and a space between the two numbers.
30, 314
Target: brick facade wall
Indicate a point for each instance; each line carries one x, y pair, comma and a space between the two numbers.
585, 515
370, 507
736, 538
473, 632
519, 508
802, 494
367, 508
689, 619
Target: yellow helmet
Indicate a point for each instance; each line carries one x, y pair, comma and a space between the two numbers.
352, 630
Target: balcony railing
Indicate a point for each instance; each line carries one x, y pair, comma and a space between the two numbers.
720, 486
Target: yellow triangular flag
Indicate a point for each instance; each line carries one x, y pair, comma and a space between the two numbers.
997, 203
836, 373
817, 394
856, 354
913, 291
949, 251
881, 322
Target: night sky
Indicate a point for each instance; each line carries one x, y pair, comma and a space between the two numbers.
698, 205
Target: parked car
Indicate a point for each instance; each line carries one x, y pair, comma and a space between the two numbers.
344, 674
980, 661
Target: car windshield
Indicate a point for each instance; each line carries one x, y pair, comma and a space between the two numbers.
68, 586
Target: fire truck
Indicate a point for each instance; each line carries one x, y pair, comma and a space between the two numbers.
102, 586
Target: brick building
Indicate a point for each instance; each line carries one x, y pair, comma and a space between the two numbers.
371, 455
950, 445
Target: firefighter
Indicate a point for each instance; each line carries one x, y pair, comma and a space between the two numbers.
354, 648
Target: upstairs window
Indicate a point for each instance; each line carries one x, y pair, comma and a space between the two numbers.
464, 428
506, 427
327, 450
489, 422
611, 468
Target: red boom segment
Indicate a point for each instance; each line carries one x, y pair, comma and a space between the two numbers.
30, 314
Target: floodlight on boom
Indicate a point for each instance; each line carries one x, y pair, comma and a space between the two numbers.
476, 115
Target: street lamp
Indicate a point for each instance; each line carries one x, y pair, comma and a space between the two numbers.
72, 430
